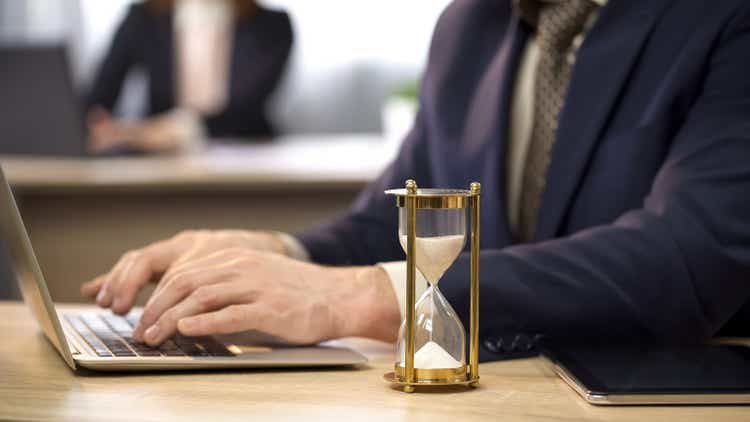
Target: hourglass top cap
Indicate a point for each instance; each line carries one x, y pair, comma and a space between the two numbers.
434, 198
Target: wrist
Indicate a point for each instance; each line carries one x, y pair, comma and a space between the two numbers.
267, 241
370, 309
292, 247
275, 243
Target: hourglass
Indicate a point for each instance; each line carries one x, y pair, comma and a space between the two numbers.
431, 342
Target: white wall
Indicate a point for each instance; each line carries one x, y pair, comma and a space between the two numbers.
349, 55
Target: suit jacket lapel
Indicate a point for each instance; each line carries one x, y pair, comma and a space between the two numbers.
486, 133
603, 65
167, 69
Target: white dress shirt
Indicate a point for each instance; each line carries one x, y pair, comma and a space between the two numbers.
203, 45
203, 38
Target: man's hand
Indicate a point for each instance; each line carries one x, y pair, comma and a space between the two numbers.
117, 289
239, 289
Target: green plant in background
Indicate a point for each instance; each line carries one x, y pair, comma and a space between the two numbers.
407, 90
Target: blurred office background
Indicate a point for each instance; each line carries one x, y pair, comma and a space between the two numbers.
351, 60
348, 57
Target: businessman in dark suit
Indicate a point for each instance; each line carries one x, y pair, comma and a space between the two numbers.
215, 62
626, 217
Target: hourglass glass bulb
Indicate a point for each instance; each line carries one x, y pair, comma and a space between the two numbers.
436, 254
439, 335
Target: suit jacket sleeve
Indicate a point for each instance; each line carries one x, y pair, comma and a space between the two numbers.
367, 233
674, 270
117, 61
270, 40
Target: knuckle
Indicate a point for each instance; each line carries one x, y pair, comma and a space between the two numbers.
110, 283
246, 257
169, 317
118, 286
206, 298
223, 235
181, 283
119, 291
234, 251
110, 280
236, 315
118, 277
142, 257
186, 234
130, 255
107, 281
147, 317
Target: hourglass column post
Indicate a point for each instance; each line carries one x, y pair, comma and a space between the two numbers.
411, 266
474, 307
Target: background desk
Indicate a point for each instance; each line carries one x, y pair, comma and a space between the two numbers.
82, 214
37, 385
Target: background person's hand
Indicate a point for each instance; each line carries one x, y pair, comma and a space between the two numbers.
159, 134
118, 288
172, 131
105, 132
239, 289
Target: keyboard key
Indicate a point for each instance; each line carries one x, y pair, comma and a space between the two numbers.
118, 324
169, 348
122, 327
114, 336
133, 318
142, 349
122, 352
189, 346
107, 336
214, 347
94, 323
99, 348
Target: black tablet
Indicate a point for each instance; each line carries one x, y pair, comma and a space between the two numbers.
709, 374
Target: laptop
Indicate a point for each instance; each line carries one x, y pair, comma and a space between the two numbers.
40, 113
99, 340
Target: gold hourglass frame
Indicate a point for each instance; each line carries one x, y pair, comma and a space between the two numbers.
412, 199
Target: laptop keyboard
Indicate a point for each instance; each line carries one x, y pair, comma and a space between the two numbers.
111, 335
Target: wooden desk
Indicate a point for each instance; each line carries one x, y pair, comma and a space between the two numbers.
37, 385
82, 214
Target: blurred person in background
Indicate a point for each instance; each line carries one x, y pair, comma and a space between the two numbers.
211, 66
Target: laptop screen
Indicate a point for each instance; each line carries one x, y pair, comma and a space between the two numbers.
14, 242
39, 110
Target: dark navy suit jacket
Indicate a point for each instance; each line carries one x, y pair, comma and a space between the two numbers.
644, 226
260, 50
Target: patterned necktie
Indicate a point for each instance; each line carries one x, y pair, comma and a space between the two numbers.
557, 25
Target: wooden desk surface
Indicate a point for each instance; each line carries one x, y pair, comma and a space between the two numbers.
325, 161
37, 385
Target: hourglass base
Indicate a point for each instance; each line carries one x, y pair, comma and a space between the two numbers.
431, 377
